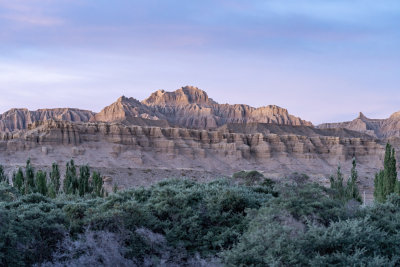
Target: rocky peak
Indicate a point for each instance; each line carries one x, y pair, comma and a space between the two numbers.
184, 96
128, 100
122, 99
362, 117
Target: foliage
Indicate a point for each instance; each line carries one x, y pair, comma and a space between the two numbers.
71, 180
97, 184
41, 182
84, 185
277, 236
352, 191
29, 227
386, 181
185, 223
337, 184
249, 177
19, 180
186, 218
3, 176
348, 191
29, 178
308, 202
83, 182
55, 180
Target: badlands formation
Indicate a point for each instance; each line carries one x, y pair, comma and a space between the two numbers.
187, 134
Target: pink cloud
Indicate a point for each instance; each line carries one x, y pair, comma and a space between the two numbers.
28, 13
34, 20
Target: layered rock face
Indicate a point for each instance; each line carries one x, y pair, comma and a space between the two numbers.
191, 107
18, 119
379, 128
115, 146
185, 130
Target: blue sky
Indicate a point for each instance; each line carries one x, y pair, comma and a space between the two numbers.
322, 60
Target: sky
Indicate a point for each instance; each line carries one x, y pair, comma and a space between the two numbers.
324, 61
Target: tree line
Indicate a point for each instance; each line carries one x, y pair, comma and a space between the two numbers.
28, 181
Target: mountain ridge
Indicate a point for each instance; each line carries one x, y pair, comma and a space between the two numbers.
379, 128
20, 118
190, 107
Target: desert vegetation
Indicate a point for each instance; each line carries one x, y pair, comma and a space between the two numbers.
27, 181
253, 222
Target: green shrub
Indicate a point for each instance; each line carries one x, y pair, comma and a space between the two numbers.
30, 230
181, 222
200, 217
249, 177
315, 231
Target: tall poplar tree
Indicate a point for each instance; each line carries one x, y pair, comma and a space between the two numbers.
41, 182
348, 191
29, 178
352, 191
19, 180
386, 181
55, 178
70, 180
337, 184
84, 175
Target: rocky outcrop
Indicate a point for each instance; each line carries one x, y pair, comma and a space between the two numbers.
19, 119
391, 126
191, 107
379, 128
131, 112
117, 145
142, 155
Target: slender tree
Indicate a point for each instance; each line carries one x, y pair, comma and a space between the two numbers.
51, 192
29, 178
386, 181
337, 184
97, 184
352, 189
379, 193
19, 180
55, 182
70, 180
41, 182
348, 191
84, 175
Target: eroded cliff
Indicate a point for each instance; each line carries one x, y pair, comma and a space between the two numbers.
118, 149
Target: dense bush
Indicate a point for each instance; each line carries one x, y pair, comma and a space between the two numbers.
29, 228
319, 231
189, 218
181, 222
201, 218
